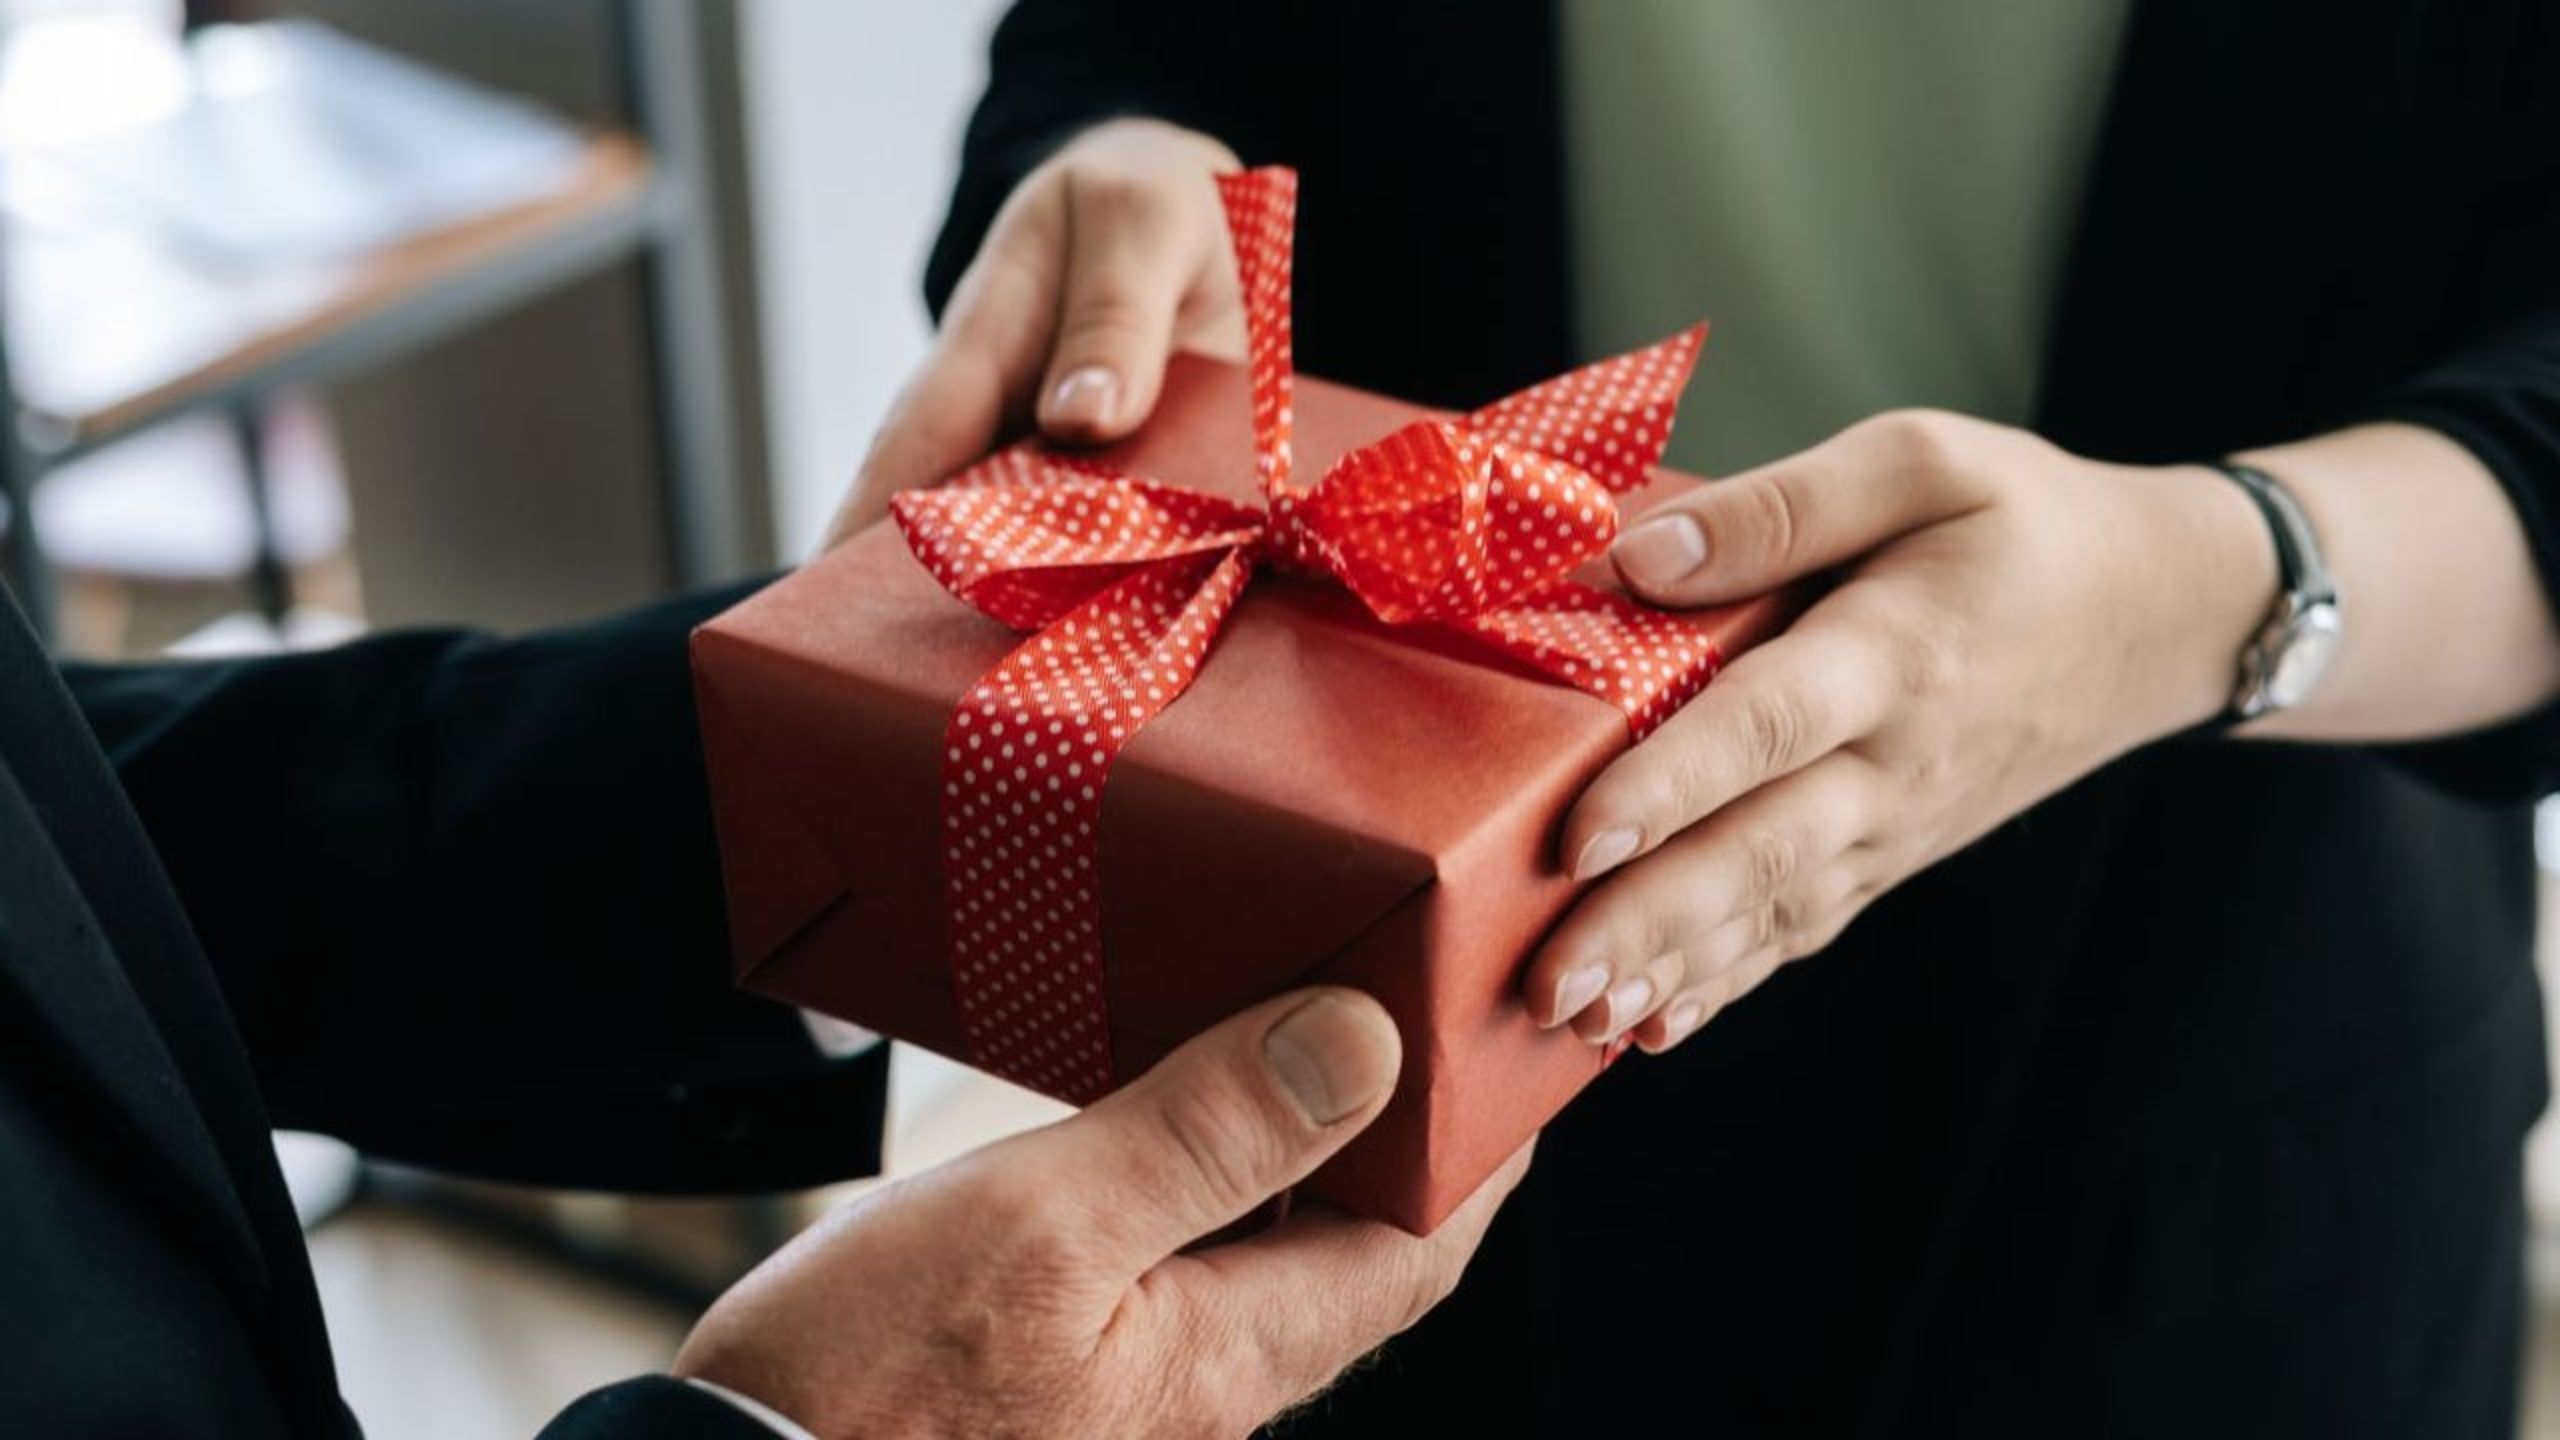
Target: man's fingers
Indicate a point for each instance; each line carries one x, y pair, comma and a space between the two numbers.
1758, 530
1133, 251
1243, 1111
1303, 1300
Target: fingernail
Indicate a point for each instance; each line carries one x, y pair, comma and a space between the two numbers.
1682, 1019
1084, 398
1627, 1000
1580, 986
1661, 550
1327, 1055
1604, 852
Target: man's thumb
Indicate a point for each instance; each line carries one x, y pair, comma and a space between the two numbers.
1242, 1112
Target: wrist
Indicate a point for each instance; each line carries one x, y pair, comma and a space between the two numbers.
2207, 575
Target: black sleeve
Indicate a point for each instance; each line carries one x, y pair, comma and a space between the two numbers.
1056, 67
463, 897
654, 1407
2497, 390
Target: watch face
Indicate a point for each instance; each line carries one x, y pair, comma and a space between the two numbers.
2310, 643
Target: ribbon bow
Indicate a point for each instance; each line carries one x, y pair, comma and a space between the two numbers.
1470, 524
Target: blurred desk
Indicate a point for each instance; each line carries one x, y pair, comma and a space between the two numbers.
109, 331
307, 207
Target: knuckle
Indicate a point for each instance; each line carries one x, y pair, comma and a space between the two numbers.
1105, 315
1106, 192
1225, 1142
1769, 857
1939, 447
1925, 663
1654, 790
1772, 516
1773, 728
1919, 438
1763, 928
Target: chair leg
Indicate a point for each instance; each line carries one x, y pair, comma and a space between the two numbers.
22, 560
269, 582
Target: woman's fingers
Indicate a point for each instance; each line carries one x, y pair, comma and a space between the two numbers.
1758, 530
978, 374
1633, 944
1133, 249
1068, 312
1630, 997
1690, 1010
1772, 712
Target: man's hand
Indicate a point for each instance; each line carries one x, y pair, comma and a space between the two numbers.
1101, 263
1040, 1286
2008, 617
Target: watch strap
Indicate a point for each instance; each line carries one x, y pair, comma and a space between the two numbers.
2302, 578
2300, 570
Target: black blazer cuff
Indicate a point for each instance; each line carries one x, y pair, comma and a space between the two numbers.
654, 1407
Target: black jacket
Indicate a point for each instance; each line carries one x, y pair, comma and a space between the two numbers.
451, 899
2189, 1103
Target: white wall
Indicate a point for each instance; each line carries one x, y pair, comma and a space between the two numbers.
854, 112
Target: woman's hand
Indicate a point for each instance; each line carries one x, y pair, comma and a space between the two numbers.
1101, 263
2008, 617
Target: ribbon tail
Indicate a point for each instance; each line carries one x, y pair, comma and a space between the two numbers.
1262, 216
1646, 662
1025, 758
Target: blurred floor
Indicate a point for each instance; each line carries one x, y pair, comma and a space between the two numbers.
2542, 1176
443, 1334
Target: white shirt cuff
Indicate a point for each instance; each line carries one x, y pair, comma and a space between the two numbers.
836, 1039
772, 1419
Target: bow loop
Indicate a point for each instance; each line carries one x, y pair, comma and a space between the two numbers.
1439, 522
1027, 543
1610, 418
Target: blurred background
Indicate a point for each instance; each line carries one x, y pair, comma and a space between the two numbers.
322, 316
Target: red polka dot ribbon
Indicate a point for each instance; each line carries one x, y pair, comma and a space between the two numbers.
1469, 524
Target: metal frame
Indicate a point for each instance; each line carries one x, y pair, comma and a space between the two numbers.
29, 577
707, 533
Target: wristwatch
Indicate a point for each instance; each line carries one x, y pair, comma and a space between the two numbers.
2285, 659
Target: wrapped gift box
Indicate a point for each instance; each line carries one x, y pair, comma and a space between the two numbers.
1332, 800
